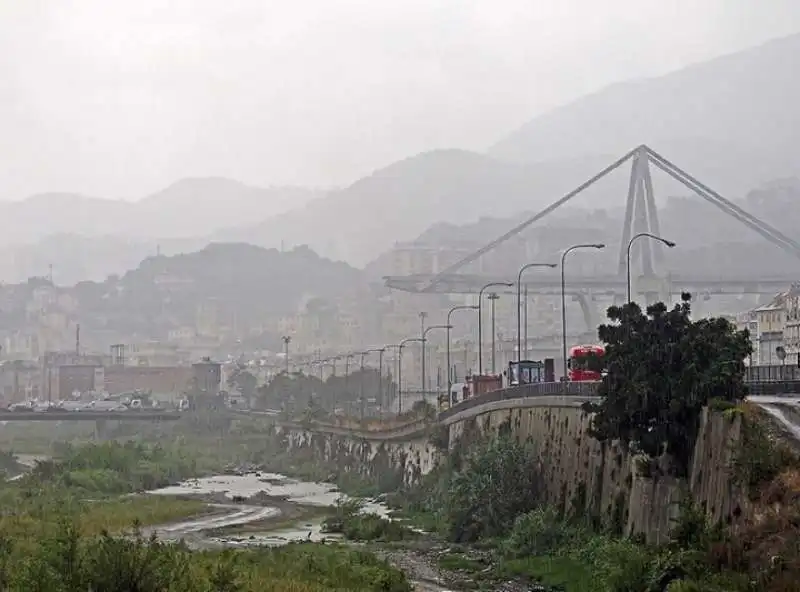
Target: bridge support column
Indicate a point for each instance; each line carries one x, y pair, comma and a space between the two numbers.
100, 429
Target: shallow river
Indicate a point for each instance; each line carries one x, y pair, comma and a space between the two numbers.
247, 486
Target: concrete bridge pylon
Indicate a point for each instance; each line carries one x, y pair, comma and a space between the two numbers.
641, 215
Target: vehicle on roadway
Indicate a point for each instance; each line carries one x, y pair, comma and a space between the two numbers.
586, 363
106, 406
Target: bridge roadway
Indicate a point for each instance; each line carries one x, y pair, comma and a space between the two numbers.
549, 394
89, 415
610, 285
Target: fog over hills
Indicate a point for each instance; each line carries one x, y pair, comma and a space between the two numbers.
187, 208
730, 121
737, 137
398, 202
738, 109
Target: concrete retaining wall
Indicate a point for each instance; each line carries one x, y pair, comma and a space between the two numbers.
580, 473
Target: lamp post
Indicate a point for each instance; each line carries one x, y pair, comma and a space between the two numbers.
480, 321
333, 361
493, 297
449, 326
519, 303
380, 351
424, 340
669, 243
564, 299
394, 346
286, 340
400, 347
347, 359
361, 385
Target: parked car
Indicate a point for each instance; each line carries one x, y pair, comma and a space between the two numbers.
106, 406
23, 406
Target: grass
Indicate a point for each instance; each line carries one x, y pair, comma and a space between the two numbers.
118, 514
459, 562
566, 573
311, 567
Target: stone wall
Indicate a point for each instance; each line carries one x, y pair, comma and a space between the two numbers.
601, 479
580, 473
393, 458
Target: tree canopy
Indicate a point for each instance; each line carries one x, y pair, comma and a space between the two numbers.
662, 369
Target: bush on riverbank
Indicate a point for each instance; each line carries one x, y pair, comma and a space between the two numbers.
350, 521
112, 467
67, 561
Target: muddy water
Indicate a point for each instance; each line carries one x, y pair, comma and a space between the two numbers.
193, 531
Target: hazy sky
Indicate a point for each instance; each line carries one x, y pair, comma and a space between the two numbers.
120, 98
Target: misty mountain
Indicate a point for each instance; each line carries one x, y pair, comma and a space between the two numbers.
710, 243
74, 258
187, 208
735, 119
398, 202
732, 122
222, 287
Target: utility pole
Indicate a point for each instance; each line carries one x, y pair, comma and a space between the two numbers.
361, 387
286, 340
493, 297
526, 324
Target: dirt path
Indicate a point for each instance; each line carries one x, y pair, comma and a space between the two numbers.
419, 569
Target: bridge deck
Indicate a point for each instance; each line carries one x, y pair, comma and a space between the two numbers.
551, 283
88, 416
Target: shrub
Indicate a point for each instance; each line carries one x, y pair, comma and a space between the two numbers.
497, 482
538, 532
349, 521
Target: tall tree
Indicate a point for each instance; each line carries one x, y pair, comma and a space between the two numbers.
662, 369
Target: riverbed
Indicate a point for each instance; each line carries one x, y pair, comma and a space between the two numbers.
267, 500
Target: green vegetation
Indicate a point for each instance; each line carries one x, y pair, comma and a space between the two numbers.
350, 521
663, 368
113, 468
68, 561
57, 534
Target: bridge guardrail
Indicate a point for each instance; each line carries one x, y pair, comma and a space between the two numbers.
782, 372
774, 387
539, 389
577, 389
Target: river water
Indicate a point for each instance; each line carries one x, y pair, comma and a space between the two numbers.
194, 531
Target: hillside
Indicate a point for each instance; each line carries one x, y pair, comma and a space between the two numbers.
240, 289
735, 118
709, 242
400, 201
187, 208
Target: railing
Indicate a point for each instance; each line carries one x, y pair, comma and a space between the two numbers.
589, 389
774, 387
539, 389
783, 372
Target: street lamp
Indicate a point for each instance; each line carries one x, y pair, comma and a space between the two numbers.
363, 354
400, 347
424, 340
449, 326
519, 299
347, 359
669, 243
564, 299
493, 297
380, 351
286, 340
480, 321
397, 347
